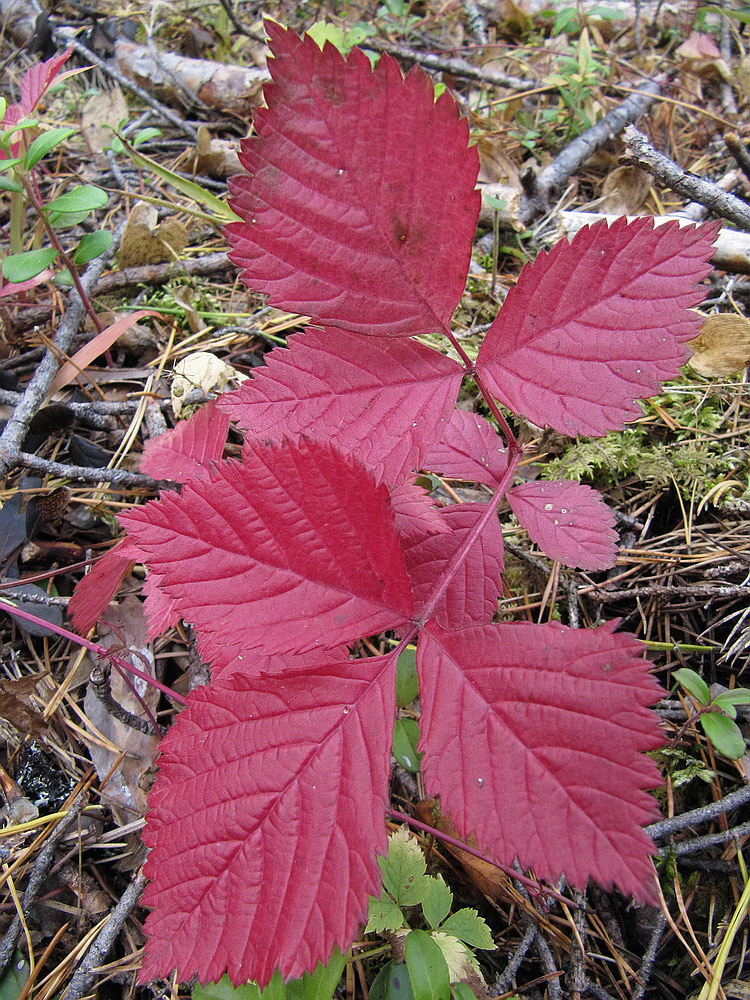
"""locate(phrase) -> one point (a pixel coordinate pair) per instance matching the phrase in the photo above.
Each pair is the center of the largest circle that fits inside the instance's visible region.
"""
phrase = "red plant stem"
(460, 554)
(32, 190)
(534, 887)
(47, 575)
(470, 368)
(93, 647)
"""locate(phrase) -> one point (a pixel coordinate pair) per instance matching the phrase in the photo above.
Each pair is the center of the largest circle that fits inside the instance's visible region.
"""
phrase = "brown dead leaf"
(14, 707)
(215, 157)
(145, 242)
(723, 346)
(625, 191)
(101, 114)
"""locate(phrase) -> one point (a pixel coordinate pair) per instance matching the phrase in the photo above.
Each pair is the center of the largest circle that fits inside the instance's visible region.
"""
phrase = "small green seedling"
(716, 714)
(431, 964)
(316, 985)
(24, 143)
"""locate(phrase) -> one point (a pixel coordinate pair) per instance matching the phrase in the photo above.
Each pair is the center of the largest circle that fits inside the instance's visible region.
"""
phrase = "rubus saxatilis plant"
(358, 210)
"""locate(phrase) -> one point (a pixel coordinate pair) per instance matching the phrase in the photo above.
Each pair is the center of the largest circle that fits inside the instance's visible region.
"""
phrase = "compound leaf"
(291, 549)
(383, 400)
(360, 207)
(265, 819)
(546, 730)
(596, 324)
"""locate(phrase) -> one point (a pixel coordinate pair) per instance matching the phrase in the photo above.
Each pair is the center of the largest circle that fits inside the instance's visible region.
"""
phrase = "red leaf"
(292, 549)
(472, 594)
(160, 609)
(381, 400)
(568, 521)
(470, 449)
(540, 755)
(97, 588)
(596, 324)
(416, 514)
(187, 450)
(265, 819)
(38, 79)
(360, 207)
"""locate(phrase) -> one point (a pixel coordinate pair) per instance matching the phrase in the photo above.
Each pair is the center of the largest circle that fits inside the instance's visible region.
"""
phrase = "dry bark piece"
(722, 347)
(226, 88)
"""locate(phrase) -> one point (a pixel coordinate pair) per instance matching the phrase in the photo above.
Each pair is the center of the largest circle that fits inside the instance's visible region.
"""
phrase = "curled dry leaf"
(124, 759)
(145, 242)
(722, 347)
(200, 370)
(625, 190)
(216, 157)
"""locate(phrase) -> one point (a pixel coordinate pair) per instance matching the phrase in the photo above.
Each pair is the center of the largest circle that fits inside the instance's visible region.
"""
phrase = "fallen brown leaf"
(723, 346)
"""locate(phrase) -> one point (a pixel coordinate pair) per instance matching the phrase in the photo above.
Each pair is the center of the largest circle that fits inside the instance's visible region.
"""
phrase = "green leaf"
(728, 699)
(93, 245)
(405, 738)
(498, 204)
(469, 927)
(724, 734)
(24, 266)
(462, 992)
(44, 144)
(14, 978)
(319, 984)
(437, 901)
(403, 869)
(391, 983)
(83, 198)
(9, 184)
(693, 684)
(64, 278)
(741, 14)
(9, 162)
(145, 134)
(427, 968)
(223, 990)
(383, 915)
(407, 682)
(221, 211)
(322, 32)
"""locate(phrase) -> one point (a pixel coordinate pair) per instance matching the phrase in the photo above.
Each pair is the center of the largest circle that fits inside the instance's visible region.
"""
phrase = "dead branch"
(235, 89)
(39, 873)
(704, 814)
(146, 274)
(456, 67)
(667, 172)
(36, 392)
(556, 174)
(66, 37)
(85, 975)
